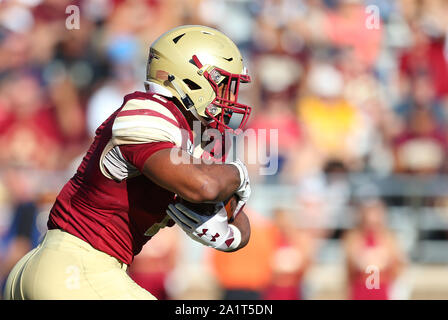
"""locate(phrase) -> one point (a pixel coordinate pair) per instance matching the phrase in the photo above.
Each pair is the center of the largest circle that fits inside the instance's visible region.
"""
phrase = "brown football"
(209, 209)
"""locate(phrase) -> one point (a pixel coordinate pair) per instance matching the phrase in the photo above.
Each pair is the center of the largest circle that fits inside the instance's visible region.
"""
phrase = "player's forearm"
(190, 181)
(218, 182)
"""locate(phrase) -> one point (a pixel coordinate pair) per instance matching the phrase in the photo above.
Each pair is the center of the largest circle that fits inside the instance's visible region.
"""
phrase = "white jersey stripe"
(141, 129)
(136, 104)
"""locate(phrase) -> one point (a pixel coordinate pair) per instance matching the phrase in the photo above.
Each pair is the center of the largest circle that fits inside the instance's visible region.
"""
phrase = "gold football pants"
(66, 267)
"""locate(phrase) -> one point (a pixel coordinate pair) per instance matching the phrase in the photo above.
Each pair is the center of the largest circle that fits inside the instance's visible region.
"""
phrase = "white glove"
(212, 231)
(243, 191)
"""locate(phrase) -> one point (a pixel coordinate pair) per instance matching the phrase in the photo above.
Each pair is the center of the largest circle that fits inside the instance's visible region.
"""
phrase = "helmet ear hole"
(191, 84)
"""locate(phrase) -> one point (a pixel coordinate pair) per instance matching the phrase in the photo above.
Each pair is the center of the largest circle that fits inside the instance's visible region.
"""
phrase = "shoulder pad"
(144, 121)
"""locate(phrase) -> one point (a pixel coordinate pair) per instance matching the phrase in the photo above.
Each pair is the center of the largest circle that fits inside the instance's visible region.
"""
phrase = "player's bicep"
(173, 169)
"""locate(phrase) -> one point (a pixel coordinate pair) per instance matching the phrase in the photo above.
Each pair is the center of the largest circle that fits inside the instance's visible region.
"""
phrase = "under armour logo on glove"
(215, 237)
(212, 231)
(204, 232)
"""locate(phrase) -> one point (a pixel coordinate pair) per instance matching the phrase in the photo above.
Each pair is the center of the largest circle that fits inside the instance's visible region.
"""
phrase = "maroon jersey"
(108, 202)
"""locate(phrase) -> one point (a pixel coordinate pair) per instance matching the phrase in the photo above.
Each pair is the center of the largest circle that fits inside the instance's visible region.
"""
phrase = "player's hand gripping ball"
(208, 223)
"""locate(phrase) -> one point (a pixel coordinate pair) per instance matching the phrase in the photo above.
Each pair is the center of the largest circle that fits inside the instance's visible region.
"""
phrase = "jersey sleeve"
(141, 127)
(137, 154)
(146, 121)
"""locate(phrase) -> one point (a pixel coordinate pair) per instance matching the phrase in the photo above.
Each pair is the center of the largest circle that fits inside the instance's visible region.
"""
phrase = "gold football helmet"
(202, 68)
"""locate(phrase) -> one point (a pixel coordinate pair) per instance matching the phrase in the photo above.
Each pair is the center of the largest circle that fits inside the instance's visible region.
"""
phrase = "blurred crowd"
(351, 86)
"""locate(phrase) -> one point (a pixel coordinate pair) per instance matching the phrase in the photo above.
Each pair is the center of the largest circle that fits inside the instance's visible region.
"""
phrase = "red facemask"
(224, 111)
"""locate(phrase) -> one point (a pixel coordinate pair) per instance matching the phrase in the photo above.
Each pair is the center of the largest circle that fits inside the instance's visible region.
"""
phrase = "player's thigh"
(53, 274)
(74, 274)
(62, 270)
(68, 273)
(115, 284)
(12, 289)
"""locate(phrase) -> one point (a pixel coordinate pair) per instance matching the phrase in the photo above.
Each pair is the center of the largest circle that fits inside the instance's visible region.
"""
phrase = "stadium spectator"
(329, 121)
(278, 115)
(23, 233)
(291, 259)
(422, 146)
(348, 26)
(374, 258)
(32, 136)
(427, 55)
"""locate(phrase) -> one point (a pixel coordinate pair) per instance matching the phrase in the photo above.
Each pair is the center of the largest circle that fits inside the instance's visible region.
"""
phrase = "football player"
(124, 190)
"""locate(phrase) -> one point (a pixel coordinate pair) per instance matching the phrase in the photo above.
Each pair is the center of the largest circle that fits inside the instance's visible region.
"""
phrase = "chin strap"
(153, 87)
(186, 100)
